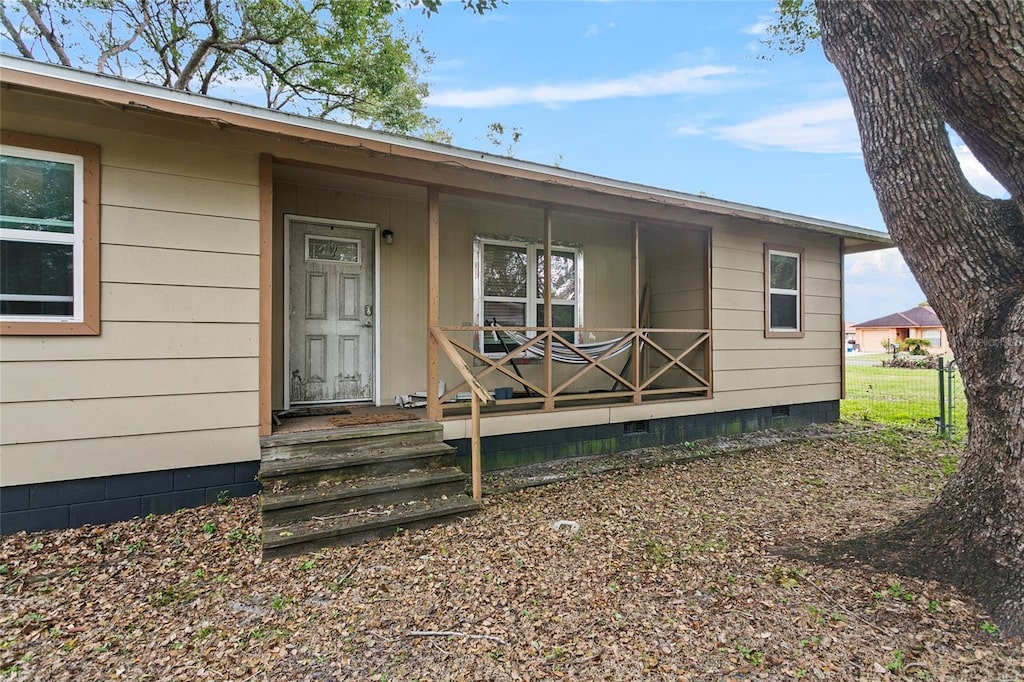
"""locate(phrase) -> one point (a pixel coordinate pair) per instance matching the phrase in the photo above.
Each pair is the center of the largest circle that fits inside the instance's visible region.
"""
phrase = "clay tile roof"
(921, 316)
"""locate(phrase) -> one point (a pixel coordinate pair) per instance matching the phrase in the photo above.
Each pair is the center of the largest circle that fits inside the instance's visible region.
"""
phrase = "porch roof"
(62, 81)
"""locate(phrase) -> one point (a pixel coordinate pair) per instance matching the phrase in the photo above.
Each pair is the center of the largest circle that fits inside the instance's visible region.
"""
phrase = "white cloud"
(700, 79)
(757, 28)
(878, 283)
(976, 174)
(825, 127)
(888, 262)
(687, 131)
(595, 29)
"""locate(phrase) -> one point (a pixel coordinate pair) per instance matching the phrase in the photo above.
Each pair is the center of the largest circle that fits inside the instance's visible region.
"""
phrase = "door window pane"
(333, 250)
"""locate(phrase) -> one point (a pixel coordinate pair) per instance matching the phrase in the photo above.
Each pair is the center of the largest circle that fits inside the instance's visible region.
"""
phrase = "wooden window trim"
(90, 153)
(768, 333)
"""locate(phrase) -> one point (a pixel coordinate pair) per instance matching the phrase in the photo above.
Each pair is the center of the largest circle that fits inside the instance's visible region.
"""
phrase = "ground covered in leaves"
(676, 571)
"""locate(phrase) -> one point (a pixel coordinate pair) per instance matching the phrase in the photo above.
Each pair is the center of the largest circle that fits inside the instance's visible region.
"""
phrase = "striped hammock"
(562, 353)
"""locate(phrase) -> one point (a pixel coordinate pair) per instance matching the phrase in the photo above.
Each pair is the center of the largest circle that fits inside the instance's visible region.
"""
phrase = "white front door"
(330, 287)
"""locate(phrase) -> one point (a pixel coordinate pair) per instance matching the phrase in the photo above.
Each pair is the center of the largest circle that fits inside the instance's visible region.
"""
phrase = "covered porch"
(538, 306)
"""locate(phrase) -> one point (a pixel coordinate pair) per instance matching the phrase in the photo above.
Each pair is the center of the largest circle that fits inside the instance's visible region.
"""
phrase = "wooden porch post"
(478, 487)
(433, 299)
(635, 363)
(549, 402)
(266, 266)
(708, 350)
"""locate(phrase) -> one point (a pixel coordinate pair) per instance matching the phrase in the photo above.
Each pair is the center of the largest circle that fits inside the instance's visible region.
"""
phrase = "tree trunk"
(911, 68)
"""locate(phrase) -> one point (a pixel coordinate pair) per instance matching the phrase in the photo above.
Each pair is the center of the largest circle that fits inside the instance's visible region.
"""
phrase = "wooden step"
(352, 528)
(339, 464)
(325, 499)
(351, 439)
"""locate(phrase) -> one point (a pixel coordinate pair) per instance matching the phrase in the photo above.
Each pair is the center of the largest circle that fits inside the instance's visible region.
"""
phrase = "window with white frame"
(510, 286)
(783, 300)
(933, 337)
(43, 233)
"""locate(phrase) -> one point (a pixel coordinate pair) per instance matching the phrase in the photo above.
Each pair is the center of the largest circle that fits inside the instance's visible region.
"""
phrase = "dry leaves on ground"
(672, 574)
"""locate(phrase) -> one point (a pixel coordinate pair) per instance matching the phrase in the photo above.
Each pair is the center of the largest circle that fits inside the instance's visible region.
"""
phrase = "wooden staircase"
(349, 485)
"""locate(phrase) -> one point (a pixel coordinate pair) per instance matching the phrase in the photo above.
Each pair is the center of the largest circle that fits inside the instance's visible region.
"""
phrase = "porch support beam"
(549, 403)
(266, 268)
(433, 299)
(637, 322)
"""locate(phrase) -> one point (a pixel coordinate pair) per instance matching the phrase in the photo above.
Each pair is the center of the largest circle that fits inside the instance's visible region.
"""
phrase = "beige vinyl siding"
(138, 341)
(171, 381)
(37, 462)
(754, 371)
(64, 420)
(77, 380)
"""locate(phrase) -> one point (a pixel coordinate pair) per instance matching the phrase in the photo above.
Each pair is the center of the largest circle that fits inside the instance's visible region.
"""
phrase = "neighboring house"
(917, 323)
(178, 268)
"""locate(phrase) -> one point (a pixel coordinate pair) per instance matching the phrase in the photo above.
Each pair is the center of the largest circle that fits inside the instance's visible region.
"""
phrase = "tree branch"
(115, 50)
(14, 34)
(46, 32)
(202, 51)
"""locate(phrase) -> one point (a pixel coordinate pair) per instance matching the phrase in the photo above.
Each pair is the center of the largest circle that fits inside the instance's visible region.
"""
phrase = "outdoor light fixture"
(388, 236)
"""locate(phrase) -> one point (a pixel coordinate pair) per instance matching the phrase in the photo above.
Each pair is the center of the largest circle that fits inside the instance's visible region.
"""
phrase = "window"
(933, 336)
(783, 286)
(49, 236)
(510, 286)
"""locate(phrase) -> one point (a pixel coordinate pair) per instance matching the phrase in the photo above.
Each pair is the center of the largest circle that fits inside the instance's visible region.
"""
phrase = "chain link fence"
(928, 398)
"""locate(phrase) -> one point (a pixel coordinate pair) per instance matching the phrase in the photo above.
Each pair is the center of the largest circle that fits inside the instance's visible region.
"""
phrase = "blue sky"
(670, 94)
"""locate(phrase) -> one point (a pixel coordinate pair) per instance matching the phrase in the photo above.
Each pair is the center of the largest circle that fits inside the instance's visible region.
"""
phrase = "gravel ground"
(671, 568)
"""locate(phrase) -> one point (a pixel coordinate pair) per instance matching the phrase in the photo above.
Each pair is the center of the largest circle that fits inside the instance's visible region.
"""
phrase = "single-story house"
(178, 270)
(893, 329)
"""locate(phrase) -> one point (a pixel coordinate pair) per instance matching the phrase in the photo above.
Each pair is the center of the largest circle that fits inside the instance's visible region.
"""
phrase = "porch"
(542, 306)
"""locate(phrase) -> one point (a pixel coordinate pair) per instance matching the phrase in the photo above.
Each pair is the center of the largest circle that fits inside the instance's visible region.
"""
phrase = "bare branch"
(115, 50)
(46, 32)
(15, 34)
(202, 51)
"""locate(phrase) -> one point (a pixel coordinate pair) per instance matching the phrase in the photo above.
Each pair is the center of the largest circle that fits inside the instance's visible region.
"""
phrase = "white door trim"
(288, 219)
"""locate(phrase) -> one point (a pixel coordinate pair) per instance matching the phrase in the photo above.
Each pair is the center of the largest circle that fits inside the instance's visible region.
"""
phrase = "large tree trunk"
(911, 68)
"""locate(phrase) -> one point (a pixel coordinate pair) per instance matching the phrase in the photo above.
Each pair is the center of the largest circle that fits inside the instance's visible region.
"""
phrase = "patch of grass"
(900, 397)
(990, 628)
(895, 591)
(752, 656)
(948, 464)
(173, 594)
(895, 664)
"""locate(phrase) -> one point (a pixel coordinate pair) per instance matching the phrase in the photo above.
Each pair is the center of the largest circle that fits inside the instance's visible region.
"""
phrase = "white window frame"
(531, 300)
(797, 293)
(74, 238)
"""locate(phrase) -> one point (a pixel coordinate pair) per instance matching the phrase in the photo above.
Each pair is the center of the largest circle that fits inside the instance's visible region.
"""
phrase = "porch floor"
(353, 415)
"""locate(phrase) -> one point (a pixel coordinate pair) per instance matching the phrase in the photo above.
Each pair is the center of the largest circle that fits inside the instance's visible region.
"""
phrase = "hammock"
(562, 353)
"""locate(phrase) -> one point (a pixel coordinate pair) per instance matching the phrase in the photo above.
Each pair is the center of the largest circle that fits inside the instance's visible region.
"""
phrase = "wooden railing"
(641, 366)
(478, 394)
